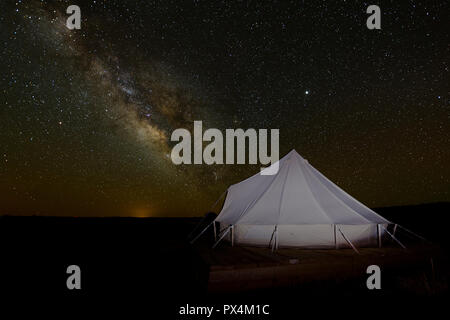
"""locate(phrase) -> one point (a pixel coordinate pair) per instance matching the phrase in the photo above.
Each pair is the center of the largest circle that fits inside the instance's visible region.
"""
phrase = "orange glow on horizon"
(142, 212)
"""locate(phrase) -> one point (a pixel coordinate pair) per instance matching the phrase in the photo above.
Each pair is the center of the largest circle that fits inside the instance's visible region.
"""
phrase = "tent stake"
(349, 242)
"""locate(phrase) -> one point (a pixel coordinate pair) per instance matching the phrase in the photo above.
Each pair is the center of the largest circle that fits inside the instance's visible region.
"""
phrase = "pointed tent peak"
(294, 153)
(282, 162)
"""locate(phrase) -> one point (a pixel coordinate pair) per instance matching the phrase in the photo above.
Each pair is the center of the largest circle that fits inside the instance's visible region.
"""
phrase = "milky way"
(87, 114)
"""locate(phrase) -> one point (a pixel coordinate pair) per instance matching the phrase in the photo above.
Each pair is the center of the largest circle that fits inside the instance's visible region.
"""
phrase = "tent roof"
(297, 194)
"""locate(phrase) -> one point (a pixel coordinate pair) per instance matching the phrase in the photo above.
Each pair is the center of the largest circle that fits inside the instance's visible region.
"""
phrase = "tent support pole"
(215, 231)
(275, 242)
(273, 245)
(379, 235)
(335, 237)
(232, 236)
(395, 229)
(393, 237)
(348, 241)
(276, 239)
(221, 237)
(198, 236)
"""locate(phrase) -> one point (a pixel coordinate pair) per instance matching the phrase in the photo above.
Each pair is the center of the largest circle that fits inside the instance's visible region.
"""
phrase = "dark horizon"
(201, 216)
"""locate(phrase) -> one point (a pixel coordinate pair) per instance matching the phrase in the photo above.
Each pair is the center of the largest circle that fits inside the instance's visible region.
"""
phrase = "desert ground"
(151, 259)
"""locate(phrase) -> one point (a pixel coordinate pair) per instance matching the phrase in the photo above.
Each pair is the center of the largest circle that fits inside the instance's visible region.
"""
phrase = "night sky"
(86, 115)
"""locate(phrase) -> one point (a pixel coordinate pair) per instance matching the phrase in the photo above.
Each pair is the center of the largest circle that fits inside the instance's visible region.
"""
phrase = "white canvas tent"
(297, 207)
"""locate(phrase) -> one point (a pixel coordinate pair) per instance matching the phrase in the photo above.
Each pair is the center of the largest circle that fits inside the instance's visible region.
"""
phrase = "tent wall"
(298, 194)
(306, 236)
(305, 206)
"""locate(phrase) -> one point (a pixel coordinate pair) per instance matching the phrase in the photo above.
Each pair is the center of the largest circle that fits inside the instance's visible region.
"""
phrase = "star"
(121, 91)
